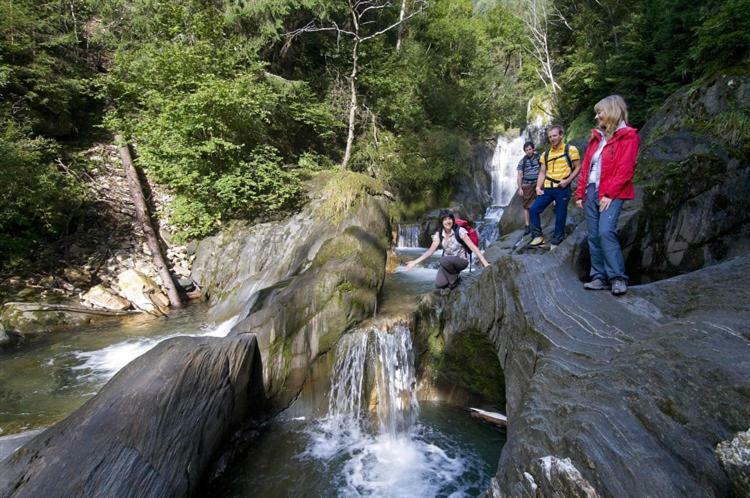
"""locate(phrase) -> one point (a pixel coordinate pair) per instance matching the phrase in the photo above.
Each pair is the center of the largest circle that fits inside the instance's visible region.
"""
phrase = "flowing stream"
(376, 439)
(45, 380)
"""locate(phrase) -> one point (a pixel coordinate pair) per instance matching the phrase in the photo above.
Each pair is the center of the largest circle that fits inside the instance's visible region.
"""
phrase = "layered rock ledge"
(633, 393)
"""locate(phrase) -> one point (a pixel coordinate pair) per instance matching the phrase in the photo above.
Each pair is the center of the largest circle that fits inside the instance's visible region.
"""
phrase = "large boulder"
(32, 319)
(695, 175)
(298, 284)
(101, 297)
(142, 291)
(607, 396)
(151, 431)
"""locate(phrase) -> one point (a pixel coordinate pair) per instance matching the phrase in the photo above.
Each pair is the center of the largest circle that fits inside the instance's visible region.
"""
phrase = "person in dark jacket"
(606, 183)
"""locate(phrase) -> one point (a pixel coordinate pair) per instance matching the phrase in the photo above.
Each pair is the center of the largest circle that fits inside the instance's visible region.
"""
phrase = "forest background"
(232, 103)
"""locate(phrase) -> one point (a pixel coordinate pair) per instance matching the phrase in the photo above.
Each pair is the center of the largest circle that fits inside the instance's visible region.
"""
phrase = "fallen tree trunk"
(141, 212)
(70, 308)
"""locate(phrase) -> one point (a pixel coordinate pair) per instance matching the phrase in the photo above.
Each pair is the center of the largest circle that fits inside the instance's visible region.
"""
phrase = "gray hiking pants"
(450, 267)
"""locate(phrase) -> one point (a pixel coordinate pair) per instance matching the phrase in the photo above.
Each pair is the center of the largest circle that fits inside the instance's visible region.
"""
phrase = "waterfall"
(395, 381)
(503, 173)
(391, 365)
(392, 455)
(408, 236)
(503, 169)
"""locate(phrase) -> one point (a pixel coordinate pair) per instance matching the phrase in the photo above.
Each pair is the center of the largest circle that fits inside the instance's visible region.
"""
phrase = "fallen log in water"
(494, 418)
(69, 308)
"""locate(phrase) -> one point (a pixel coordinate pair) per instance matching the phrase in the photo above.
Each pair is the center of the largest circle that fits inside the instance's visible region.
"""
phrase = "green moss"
(467, 361)
(731, 127)
(344, 191)
(669, 184)
(581, 126)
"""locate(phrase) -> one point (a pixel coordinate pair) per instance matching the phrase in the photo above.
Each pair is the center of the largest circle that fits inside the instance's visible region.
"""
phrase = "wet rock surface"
(636, 392)
(297, 284)
(151, 431)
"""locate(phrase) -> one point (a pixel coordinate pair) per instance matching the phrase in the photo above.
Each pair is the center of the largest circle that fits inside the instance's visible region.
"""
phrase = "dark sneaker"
(619, 287)
(596, 284)
(537, 241)
(555, 242)
(527, 231)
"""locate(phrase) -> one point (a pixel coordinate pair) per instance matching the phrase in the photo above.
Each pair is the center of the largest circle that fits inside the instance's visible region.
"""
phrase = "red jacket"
(618, 164)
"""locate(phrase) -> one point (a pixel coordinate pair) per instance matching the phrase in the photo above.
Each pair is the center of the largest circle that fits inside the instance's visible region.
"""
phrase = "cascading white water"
(503, 173)
(101, 364)
(504, 161)
(408, 236)
(396, 381)
(392, 457)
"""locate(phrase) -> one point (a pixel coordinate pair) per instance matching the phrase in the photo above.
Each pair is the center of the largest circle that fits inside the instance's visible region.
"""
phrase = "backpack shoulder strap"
(567, 158)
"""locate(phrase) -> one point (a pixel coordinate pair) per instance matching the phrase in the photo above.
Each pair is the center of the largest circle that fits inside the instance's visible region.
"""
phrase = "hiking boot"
(527, 231)
(619, 287)
(596, 284)
(455, 284)
(537, 241)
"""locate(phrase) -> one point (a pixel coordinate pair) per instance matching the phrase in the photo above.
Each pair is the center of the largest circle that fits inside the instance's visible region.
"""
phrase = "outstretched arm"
(475, 250)
(429, 252)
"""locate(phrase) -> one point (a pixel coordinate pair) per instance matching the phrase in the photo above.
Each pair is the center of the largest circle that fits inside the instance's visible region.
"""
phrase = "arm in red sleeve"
(625, 169)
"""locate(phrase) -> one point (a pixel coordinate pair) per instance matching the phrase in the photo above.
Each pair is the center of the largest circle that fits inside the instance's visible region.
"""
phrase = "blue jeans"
(561, 196)
(607, 262)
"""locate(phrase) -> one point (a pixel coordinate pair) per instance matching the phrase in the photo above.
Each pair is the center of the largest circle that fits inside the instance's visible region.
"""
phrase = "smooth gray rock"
(9, 444)
(151, 431)
(635, 392)
(298, 284)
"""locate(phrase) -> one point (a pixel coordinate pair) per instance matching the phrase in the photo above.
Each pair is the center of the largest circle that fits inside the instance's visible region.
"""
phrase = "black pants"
(450, 267)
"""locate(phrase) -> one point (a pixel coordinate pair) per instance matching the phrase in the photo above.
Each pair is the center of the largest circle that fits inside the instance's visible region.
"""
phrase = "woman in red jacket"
(606, 183)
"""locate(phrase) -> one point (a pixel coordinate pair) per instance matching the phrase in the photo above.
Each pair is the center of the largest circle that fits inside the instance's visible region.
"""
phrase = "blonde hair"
(613, 111)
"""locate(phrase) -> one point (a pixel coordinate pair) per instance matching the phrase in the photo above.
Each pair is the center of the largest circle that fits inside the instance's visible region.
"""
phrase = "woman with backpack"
(606, 183)
(457, 249)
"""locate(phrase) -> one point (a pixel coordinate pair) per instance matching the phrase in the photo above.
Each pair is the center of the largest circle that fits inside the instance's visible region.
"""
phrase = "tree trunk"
(352, 106)
(401, 25)
(141, 212)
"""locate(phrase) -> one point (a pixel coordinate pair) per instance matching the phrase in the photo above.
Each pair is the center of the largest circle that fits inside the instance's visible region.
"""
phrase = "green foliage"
(37, 201)
(731, 127)
(211, 124)
(43, 72)
(643, 50)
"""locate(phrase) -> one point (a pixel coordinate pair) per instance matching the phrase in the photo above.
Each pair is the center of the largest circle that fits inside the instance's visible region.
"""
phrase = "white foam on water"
(102, 364)
(401, 458)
